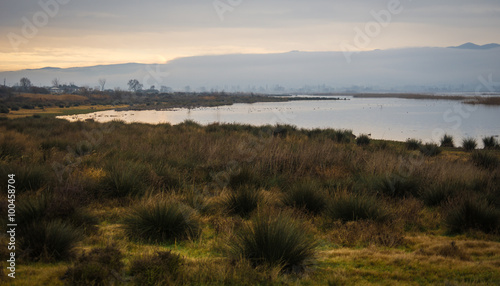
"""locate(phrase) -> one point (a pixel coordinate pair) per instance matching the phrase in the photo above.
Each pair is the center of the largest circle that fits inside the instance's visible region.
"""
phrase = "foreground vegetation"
(136, 204)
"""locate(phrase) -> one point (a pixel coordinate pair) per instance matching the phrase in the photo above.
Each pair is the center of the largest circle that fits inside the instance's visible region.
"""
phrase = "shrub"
(342, 136)
(413, 144)
(161, 221)
(100, 266)
(447, 141)
(352, 207)
(307, 196)
(161, 268)
(469, 144)
(490, 142)
(48, 241)
(472, 213)
(243, 177)
(363, 140)
(484, 159)
(430, 149)
(275, 240)
(242, 201)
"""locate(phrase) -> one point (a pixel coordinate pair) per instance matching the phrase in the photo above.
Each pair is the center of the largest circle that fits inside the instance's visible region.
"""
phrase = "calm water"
(383, 118)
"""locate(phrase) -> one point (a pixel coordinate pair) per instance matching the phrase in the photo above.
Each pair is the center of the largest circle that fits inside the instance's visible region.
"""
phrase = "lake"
(383, 118)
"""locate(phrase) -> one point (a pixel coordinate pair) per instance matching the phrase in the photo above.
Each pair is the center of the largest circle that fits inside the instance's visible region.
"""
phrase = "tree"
(102, 83)
(25, 84)
(55, 82)
(134, 85)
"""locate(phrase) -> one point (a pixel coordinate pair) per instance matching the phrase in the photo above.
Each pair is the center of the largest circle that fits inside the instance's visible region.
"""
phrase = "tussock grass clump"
(471, 213)
(485, 159)
(49, 241)
(413, 144)
(447, 141)
(161, 268)
(342, 136)
(306, 195)
(430, 149)
(352, 207)
(490, 142)
(469, 144)
(161, 221)
(363, 140)
(100, 266)
(438, 193)
(244, 176)
(399, 187)
(126, 178)
(242, 202)
(275, 240)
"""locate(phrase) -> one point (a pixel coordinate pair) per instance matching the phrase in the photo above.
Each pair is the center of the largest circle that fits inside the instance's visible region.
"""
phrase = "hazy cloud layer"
(115, 31)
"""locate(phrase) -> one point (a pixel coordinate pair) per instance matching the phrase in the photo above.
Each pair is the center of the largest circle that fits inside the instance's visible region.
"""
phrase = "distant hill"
(472, 46)
(408, 69)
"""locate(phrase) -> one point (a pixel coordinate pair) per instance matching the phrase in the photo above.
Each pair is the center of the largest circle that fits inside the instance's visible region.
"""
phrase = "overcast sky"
(68, 33)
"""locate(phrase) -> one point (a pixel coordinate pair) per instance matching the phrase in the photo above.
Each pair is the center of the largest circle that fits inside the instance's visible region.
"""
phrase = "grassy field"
(137, 204)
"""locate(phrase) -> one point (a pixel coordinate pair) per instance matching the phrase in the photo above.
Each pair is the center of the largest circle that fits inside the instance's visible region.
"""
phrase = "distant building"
(56, 90)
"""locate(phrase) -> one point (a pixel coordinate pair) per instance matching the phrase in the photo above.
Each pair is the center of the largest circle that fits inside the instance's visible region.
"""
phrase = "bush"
(472, 214)
(242, 201)
(307, 196)
(275, 240)
(447, 141)
(48, 241)
(413, 144)
(352, 207)
(161, 221)
(469, 144)
(430, 149)
(490, 142)
(100, 266)
(162, 268)
(485, 159)
(31, 178)
(363, 140)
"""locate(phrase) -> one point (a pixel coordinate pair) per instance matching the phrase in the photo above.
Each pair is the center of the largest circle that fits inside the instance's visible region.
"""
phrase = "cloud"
(176, 28)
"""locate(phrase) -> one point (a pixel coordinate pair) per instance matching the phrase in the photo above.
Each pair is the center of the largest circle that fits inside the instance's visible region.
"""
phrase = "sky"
(75, 33)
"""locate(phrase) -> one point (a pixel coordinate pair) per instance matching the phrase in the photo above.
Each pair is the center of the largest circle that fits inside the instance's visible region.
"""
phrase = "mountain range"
(406, 69)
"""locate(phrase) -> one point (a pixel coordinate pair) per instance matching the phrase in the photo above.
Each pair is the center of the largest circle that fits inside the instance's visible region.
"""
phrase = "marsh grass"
(469, 144)
(99, 266)
(430, 149)
(472, 213)
(447, 141)
(353, 207)
(413, 144)
(275, 240)
(307, 195)
(159, 221)
(242, 201)
(485, 160)
(490, 142)
(160, 268)
(126, 178)
(48, 241)
(363, 140)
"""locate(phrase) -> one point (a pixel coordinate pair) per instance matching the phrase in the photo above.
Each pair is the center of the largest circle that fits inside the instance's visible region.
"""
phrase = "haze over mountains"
(409, 69)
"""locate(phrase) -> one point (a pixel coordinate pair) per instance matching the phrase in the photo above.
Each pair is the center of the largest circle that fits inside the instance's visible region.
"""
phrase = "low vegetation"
(137, 204)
